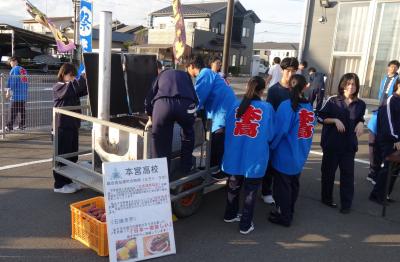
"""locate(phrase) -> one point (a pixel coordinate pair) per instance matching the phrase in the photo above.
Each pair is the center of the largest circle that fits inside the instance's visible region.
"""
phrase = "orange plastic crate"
(88, 230)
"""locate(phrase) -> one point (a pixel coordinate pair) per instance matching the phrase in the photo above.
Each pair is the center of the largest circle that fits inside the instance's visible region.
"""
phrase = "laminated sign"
(138, 207)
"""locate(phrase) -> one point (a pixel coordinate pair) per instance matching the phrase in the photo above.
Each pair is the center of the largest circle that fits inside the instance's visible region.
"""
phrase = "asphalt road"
(35, 222)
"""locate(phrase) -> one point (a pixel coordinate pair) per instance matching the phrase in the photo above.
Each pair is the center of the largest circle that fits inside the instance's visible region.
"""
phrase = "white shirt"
(276, 73)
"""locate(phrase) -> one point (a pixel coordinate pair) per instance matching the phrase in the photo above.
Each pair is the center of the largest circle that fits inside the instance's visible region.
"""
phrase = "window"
(352, 23)
(245, 32)
(163, 26)
(221, 29)
(385, 46)
(256, 52)
(233, 60)
(265, 52)
(215, 30)
(287, 54)
(241, 60)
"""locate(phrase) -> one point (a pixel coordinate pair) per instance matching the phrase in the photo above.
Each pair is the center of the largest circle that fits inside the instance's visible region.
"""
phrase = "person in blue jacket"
(387, 142)
(294, 129)
(385, 90)
(215, 97)
(249, 129)
(342, 117)
(18, 85)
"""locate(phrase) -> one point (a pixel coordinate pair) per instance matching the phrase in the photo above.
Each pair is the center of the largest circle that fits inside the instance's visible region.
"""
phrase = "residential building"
(353, 36)
(65, 22)
(205, 29)
(268, 50)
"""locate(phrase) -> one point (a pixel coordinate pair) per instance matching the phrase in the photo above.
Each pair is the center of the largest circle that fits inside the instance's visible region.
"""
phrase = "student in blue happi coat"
(249, 129)
(215, 97)
(342, 117)
(385, 91)
(294, 123)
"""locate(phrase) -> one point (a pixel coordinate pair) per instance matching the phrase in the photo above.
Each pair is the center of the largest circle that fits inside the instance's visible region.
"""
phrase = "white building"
(268, 50)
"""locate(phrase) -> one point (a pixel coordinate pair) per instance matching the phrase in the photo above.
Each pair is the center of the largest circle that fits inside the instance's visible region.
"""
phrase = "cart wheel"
(188, 205)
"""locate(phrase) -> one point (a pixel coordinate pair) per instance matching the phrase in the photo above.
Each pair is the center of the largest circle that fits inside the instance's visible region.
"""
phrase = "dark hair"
(14, 58)
(304, 63)
(159, 65)
(277, 60)
(66, 68)
(394, 62)
(297, 84)
(255, 85)
(343, 83)
(197, 61)
(290, 62)
(312, 69)
(214, 59)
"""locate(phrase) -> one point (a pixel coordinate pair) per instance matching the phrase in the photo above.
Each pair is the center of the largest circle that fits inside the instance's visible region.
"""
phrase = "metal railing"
(38, 105)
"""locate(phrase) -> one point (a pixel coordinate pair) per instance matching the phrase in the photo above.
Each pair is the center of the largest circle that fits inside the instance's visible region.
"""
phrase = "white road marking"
(26, 164)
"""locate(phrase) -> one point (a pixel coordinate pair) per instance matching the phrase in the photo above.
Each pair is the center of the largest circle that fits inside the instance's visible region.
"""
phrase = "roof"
(28, 35)
(116, 36)
(204, 9)
(276, 46)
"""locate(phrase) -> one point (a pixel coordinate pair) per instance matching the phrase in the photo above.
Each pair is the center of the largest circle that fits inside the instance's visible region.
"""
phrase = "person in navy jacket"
(387, 141)
(385, 90)
(172, 99)
(215, 97)
(67, 92)
(278, 93)
(343, 122)
(249, 129)
(294, 122)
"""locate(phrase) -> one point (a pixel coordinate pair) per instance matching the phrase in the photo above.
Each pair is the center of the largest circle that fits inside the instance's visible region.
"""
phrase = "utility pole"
(77, 9)
(228, 36)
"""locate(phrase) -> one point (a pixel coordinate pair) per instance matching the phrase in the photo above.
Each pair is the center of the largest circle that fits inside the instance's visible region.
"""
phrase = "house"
(122, 34)
(64, 22)
(205, 29)
(268, 50)
(353, 36)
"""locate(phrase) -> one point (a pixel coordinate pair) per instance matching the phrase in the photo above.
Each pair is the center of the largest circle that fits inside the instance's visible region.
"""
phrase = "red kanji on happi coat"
(248, 123)
(22, 72)
(306, 126)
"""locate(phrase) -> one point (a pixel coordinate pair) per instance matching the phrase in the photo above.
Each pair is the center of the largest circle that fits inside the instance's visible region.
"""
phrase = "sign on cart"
(138, 207)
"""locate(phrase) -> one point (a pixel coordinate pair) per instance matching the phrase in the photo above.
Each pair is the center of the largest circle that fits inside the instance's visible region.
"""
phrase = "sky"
(281, 19)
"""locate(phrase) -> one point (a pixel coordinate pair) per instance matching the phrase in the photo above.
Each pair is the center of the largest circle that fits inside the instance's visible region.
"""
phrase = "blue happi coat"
(246, 140)
(18, 83)
(215, 96)
(293, 137)
(372, 123)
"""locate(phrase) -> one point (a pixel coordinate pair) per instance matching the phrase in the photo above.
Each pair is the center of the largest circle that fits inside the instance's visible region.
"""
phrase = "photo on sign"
(126, 249)
(156, 244)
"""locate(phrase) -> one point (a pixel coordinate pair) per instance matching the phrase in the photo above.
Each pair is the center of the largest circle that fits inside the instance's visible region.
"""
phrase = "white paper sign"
(138, 208)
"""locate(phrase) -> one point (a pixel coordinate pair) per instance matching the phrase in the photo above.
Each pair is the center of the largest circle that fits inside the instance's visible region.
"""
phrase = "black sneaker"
(277, 220)
(220, 176)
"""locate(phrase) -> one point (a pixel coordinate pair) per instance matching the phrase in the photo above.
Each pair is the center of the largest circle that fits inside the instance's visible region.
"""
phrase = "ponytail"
(254, 86)
(297, 84)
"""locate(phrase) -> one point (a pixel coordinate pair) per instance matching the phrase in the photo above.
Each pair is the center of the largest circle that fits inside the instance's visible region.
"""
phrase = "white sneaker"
(77, 186)
(235, 219)
(251, 228)
(66, 189)
(268, 199)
